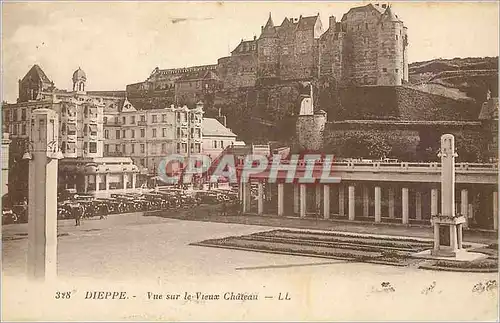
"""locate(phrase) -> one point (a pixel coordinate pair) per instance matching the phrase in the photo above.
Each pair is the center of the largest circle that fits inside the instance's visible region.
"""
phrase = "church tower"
(79, 79)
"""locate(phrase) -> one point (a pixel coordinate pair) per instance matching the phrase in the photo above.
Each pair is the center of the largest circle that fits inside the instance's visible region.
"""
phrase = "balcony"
(142, 123)
(114, 154)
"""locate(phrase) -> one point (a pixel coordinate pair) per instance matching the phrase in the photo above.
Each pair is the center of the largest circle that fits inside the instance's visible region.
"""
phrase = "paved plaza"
(137, 254)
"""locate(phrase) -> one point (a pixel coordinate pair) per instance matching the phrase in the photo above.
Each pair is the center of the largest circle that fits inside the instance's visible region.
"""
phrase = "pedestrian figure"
(224, 208)
(77, 214)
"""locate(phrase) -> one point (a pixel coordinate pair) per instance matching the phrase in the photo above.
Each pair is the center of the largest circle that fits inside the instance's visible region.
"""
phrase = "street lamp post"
(43, 155)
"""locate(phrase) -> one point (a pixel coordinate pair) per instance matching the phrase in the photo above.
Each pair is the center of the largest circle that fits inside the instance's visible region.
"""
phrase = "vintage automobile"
(8, 216)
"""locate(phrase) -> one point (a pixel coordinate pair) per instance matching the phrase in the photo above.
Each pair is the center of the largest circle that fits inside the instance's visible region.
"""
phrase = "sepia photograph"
(250, 161)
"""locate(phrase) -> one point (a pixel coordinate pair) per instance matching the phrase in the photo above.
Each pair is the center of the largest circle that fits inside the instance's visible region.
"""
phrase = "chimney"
(254, 37)
(222, 119)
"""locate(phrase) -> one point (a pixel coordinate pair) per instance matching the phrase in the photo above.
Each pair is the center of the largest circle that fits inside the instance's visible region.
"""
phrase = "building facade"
(216, 137)
(80, 134)
(147, 136)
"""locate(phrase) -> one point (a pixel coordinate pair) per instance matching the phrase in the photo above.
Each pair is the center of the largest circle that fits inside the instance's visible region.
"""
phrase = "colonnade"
(97, 181)
(324, 204)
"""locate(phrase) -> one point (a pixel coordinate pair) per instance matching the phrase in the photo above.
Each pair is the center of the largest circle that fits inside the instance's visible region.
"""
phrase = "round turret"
(391, 58)
(79, 79)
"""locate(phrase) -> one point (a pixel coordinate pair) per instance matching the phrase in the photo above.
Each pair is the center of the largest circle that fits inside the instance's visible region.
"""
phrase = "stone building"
(80, 135)
(368, 46)
(147, 136)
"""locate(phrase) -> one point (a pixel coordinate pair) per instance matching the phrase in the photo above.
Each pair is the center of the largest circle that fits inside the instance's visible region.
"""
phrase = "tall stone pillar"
(378, 204)
(391, 202)
(134, 181)
(326, 201)
(260, 198)
(42, 195)
(495, 210)
(418, 205)
(296, 199)
(303, 199)
(352, 202)
(341, 200)
(464, 205)
(281, 198)
(448, 224)
(404, 205)
(97, 181)
(366, 201)
(246, 197)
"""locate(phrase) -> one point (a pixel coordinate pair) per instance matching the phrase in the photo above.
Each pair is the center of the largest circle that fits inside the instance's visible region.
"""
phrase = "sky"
(119, 43)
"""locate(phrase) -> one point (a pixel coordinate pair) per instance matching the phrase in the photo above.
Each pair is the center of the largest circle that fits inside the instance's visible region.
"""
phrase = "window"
(192, 148)
(143, 162)
(143, 133)
(117, 134)
(23, 132)
(132, 119)
(132, 133)
(85, 129)
(106, 148)
(178, 132)
(84, 147)
(86, 112)
(132, 148)
(184, 147)
(192, 132)
(124, 132)
(215, 143)
(198, 148)
(63, 147)
(163, 118)
(178, 117)
(143, 118)
(93, 147)
(63, 111)
(124, 149)
(117, 148)
(155, 118)
(222, 144)
(397, 70)
(384, 69)
(105, 120)
(143, 148)
(154, 133)
(106, 134)
(397, 37)
(163, 147)
(124, 121)
(178, 147)
(23, 114)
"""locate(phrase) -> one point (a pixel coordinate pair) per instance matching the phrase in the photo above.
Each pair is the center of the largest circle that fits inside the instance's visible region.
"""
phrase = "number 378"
(63, 295)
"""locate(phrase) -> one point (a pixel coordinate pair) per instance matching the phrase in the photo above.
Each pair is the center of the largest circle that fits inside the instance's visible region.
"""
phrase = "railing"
(401, 167)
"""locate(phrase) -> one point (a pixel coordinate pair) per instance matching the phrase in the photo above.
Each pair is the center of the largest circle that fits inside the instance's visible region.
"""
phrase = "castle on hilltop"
(368, 46)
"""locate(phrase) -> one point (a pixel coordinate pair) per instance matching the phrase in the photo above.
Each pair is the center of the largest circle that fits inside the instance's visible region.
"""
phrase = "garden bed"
(483, 265)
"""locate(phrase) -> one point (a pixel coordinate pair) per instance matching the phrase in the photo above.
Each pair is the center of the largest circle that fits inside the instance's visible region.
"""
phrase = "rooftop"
(212, 127)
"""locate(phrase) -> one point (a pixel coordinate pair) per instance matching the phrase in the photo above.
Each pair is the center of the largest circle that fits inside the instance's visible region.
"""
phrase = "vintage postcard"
(250, 161)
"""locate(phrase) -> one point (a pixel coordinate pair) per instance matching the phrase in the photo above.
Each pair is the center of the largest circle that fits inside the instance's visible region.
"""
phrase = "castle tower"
(79, 79)
(268, 54)
(310, 126)
(391, 50)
